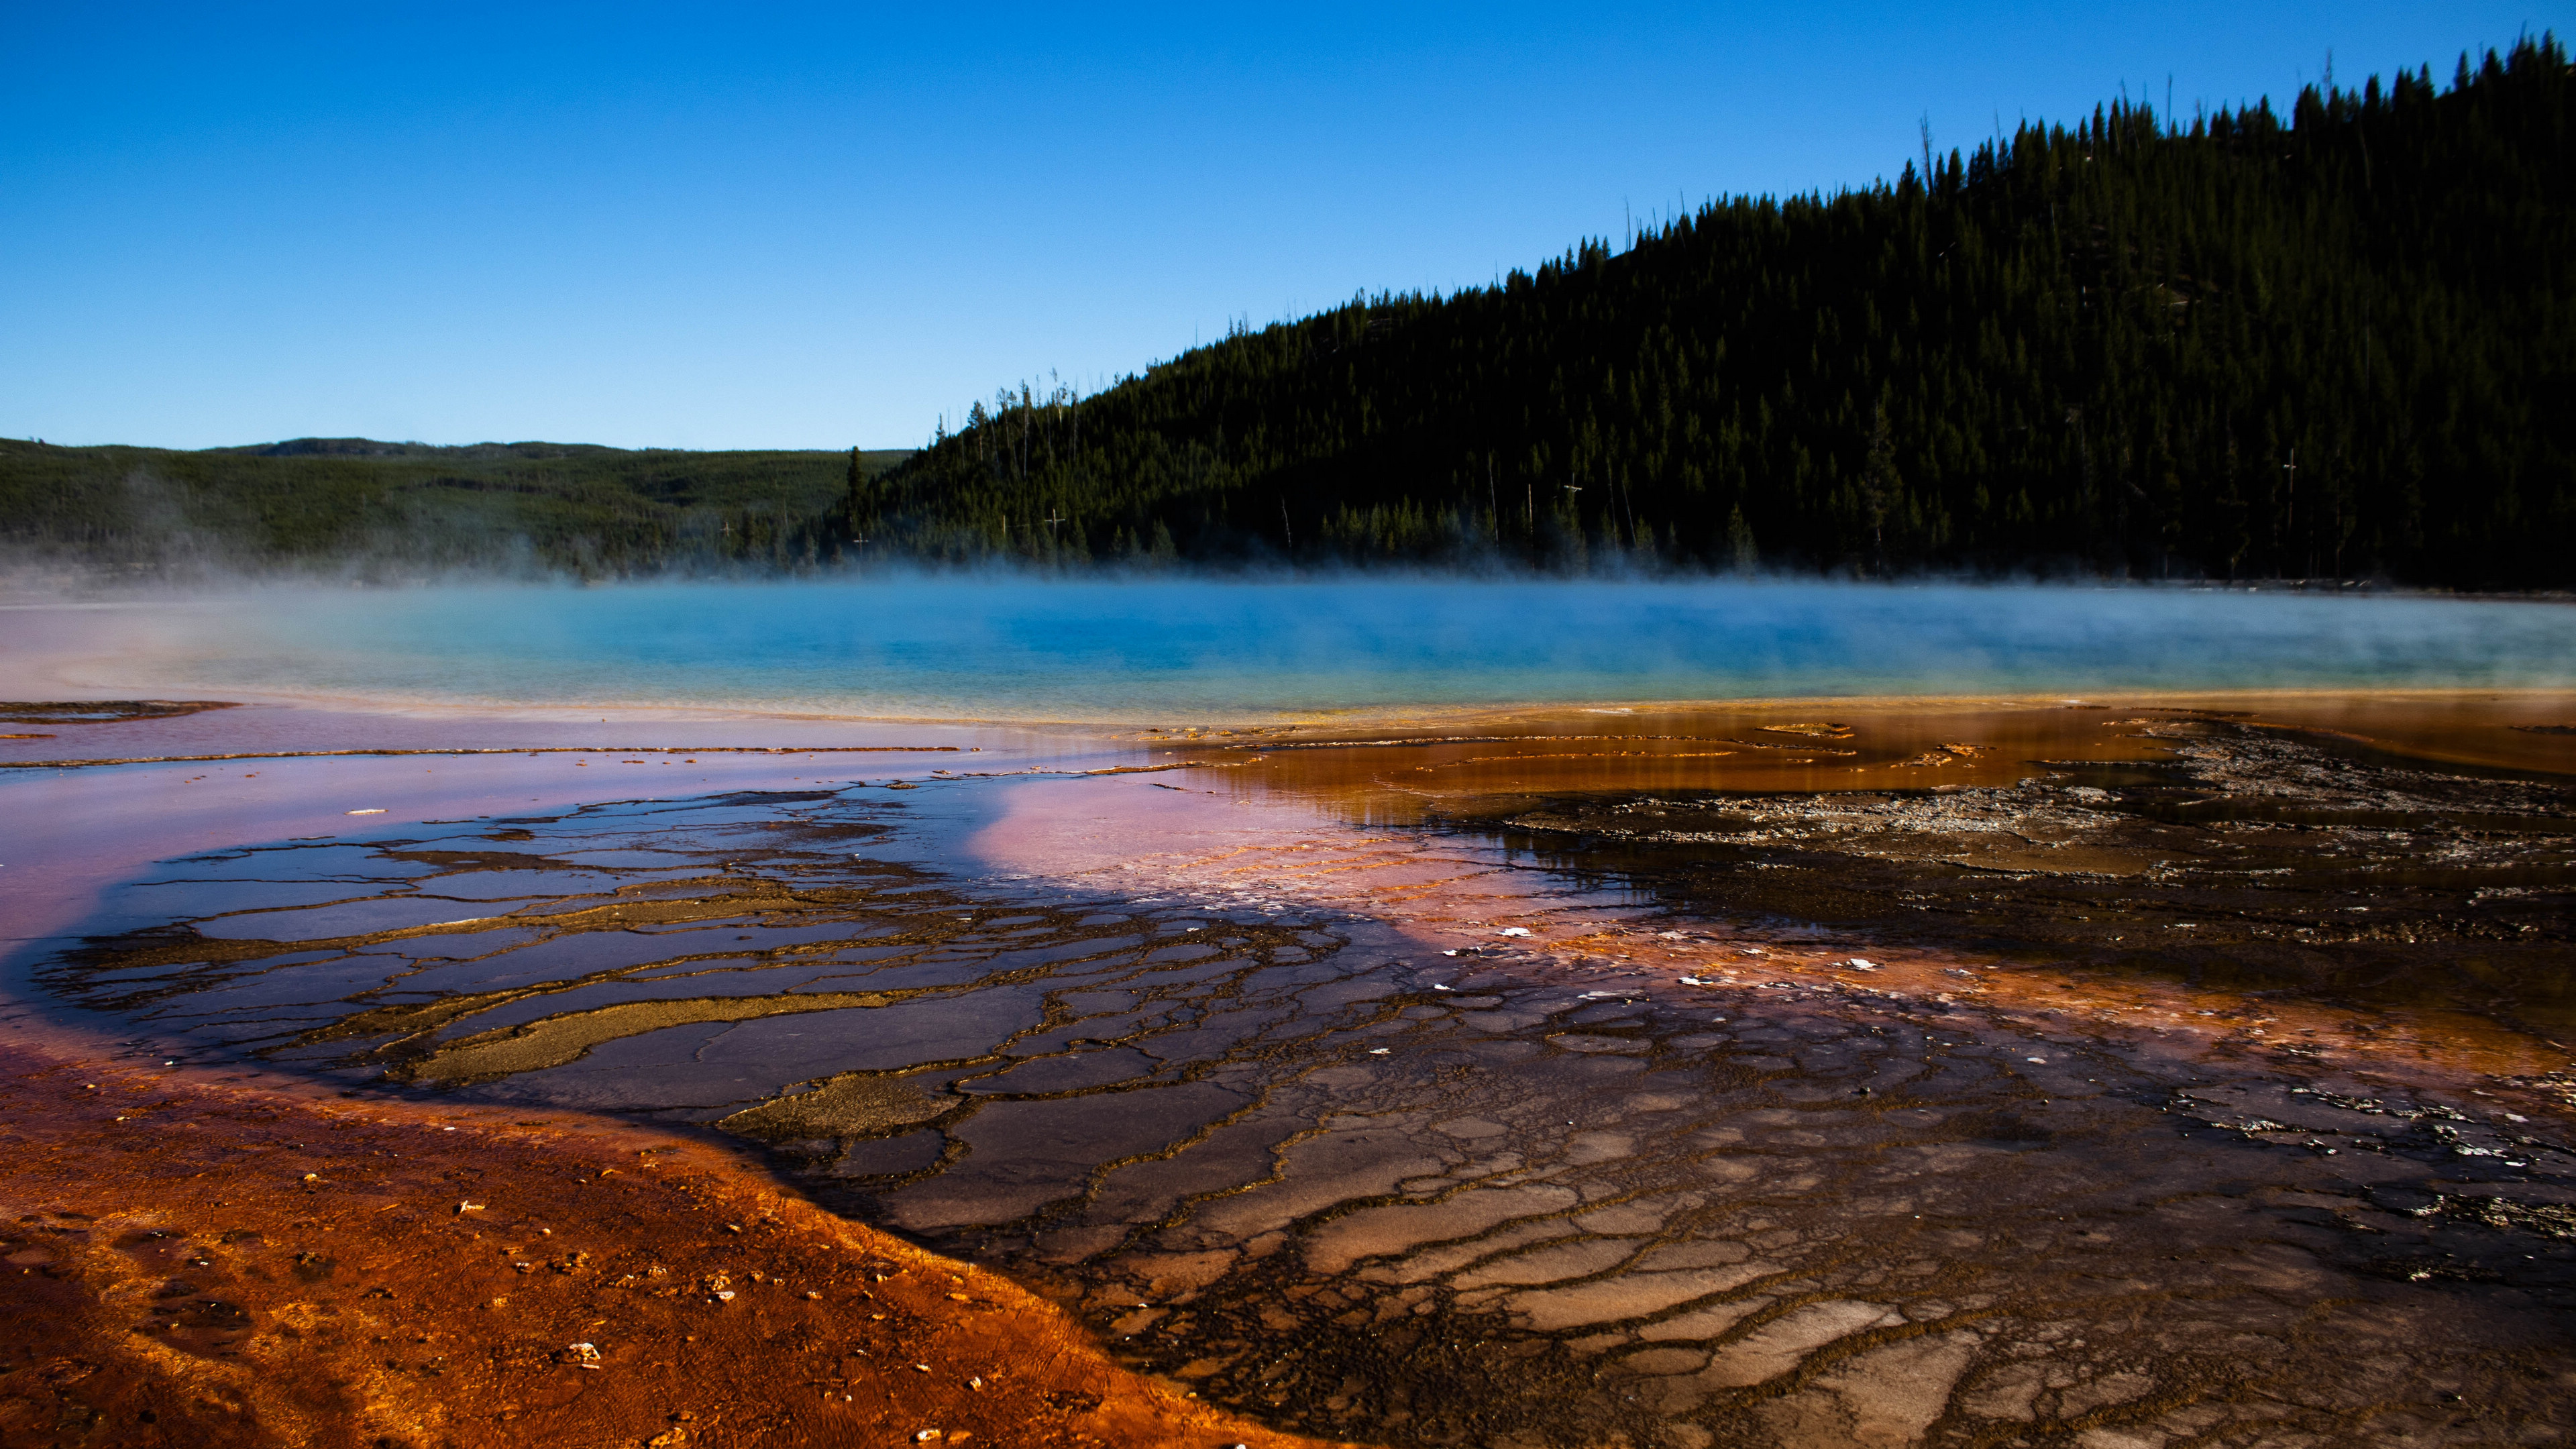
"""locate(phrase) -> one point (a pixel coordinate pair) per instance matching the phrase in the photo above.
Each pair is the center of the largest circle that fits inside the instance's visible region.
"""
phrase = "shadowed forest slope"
(2334, 343)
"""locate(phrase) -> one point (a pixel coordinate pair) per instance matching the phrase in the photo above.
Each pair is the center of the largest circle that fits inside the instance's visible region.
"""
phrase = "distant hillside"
(2324, 344)
(409, 506)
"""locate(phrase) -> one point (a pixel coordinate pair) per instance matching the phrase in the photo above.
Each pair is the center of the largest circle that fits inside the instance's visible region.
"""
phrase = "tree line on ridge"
(2254, 346)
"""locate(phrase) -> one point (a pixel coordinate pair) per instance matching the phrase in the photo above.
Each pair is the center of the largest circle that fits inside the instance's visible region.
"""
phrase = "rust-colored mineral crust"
(203, 1260)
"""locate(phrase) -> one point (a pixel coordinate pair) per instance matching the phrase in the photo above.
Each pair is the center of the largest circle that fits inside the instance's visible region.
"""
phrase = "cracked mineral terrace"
(2188, 1072)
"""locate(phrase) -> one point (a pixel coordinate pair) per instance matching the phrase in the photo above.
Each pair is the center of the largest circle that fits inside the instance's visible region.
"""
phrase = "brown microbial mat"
(1487, 763)
(1801, 1076)
(100, 711)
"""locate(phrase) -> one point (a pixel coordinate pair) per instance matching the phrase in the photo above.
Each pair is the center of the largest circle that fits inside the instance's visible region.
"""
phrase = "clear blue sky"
(808, 226)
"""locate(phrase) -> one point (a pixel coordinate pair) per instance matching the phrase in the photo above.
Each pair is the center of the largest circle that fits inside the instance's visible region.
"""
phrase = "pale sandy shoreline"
(319, 723)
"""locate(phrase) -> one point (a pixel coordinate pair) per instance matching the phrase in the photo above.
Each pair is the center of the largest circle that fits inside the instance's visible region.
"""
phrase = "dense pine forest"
(2335, 344)
(2332, 344)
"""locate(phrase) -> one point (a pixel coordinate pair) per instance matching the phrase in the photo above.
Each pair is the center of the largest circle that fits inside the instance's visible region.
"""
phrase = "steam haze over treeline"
(2248, 345)
(329, 504)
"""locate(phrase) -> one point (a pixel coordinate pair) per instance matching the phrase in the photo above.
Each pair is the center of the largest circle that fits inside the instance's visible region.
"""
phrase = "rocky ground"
(2255, 858)
(1976, 1115)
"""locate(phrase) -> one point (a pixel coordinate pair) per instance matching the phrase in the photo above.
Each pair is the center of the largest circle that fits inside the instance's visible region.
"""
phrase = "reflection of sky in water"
(1107, 651)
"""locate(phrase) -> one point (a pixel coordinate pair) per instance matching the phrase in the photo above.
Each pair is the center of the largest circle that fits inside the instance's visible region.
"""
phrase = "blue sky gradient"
(807, 226)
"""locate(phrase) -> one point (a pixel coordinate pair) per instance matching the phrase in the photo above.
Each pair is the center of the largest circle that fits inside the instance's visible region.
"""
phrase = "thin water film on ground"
(1683, 1183)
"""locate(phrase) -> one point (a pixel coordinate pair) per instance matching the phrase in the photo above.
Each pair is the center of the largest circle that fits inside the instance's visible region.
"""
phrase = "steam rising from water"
(1246, 651)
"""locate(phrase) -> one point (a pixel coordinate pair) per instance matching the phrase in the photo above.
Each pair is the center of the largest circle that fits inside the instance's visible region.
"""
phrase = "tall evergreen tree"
(854, 505)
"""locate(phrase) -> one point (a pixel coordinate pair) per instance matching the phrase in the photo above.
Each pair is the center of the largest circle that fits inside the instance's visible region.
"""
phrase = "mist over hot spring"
(1086, 650)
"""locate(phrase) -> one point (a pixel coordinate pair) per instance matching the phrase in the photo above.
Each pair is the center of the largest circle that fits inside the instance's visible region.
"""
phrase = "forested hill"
(406, 508)
(2332, 343)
